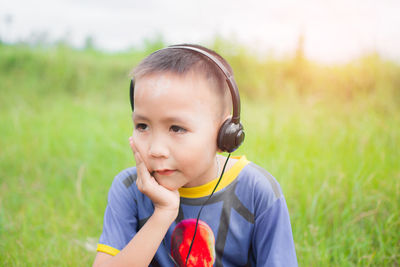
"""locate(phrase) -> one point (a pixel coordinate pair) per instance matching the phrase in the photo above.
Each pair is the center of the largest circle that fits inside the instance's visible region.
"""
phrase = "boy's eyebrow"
(167, 119)
(176, 119)
(136, 116)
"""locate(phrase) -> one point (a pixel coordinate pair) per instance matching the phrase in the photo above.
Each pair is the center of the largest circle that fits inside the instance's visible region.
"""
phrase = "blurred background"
(320, 87)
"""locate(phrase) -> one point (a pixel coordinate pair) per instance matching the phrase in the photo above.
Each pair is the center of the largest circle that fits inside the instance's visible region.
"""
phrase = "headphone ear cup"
(230, 136)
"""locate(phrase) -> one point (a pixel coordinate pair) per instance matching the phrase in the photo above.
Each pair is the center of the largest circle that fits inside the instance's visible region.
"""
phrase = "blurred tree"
(90, 43)
(300, 58)
(300, 68)
(6, 33)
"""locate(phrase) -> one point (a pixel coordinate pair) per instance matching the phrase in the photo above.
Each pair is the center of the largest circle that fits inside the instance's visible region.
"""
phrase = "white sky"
(334, 30)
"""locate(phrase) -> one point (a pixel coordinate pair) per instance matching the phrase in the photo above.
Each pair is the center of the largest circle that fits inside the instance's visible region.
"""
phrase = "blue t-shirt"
(245, 223)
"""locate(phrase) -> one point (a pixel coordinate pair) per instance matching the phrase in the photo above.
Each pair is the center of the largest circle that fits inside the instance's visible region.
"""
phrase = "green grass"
(64, 127)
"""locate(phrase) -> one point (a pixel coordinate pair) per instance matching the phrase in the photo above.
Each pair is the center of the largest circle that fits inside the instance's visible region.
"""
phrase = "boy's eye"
(177, 129)
(141, 126)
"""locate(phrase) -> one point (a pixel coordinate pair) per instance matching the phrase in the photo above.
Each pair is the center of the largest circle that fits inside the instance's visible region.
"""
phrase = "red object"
(203, 248)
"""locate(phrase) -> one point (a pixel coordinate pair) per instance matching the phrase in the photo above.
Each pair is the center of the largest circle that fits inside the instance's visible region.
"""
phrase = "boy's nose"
(158, 148)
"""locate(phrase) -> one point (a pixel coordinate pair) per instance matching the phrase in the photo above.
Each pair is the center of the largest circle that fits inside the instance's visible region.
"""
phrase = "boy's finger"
(143, 175)
(140, 166)
(132, 144)
(133, 147)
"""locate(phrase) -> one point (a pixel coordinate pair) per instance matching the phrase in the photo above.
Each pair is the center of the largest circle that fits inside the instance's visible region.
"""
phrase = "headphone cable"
(202, 206)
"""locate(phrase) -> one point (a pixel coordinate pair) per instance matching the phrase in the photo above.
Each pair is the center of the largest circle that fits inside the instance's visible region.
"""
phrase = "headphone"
(231, 134)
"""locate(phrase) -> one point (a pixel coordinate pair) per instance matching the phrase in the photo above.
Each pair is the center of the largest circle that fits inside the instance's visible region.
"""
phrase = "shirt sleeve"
(273, 243)
(120, 217)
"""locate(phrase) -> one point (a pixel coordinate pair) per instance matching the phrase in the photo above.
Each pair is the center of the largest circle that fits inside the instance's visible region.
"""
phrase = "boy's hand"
(164, 200)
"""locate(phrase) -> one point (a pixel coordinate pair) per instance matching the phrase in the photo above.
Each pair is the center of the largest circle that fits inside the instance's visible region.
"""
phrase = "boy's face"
(176, 123)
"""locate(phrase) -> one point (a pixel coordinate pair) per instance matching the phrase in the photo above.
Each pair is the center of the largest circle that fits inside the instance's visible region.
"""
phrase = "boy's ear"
(228, 116)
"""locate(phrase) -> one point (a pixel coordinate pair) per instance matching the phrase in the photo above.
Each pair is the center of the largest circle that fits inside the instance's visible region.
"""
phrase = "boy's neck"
(232, 170)
(219, 164)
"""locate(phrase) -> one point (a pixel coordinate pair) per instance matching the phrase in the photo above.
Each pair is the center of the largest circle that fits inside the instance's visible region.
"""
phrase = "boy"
(180, 100)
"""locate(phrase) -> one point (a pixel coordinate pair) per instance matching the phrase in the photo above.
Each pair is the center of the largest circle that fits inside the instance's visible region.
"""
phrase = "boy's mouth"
(164, 172)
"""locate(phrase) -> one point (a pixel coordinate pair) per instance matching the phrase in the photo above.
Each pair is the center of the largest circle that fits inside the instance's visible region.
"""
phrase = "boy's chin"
(168, 184)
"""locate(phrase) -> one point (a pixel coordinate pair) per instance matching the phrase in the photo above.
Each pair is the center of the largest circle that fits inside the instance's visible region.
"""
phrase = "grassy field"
(329, 134)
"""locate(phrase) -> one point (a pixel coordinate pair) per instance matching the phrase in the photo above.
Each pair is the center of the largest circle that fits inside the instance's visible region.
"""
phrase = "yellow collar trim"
(206, 189)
